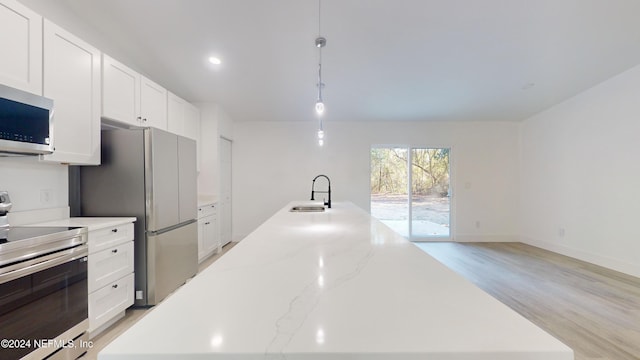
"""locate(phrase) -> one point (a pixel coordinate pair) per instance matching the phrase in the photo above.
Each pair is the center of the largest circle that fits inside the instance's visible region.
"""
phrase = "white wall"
(214, 123)
(274, 163)
(581, 173)
(33, 186)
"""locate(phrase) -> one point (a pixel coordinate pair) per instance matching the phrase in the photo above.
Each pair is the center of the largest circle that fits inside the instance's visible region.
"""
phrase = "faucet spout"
(328, 192)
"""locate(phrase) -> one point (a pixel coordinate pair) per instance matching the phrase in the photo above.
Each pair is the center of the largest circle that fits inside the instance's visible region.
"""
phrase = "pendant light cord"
(319, 16)
(319, 51)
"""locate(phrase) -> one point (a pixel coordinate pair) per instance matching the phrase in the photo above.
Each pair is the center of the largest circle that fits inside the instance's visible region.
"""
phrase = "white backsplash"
(38, 191)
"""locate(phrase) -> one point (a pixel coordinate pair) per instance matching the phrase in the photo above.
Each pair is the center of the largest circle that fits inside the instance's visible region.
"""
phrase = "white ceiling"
(419, 60)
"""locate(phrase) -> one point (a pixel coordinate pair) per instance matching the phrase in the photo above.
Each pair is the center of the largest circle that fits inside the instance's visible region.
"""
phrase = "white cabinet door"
(225, 191)
(207, 237)
(175, 113)
(21, 44)
(130, 98)
(109, 301)
(109, 265)
(153, 104)
(211, 238)
(120, 92)
(191, 121)
(208, 234)
(192, 128)
(72, 80)
(184, 120)
(201, 246)
(106, 238)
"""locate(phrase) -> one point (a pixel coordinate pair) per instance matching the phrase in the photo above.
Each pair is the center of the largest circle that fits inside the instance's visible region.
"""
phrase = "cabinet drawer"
(106, 238)
(109, 265)
(109, 301)
(207, 210)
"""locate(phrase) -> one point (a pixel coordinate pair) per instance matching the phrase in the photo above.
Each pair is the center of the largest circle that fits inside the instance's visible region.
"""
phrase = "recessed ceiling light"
(215, 61)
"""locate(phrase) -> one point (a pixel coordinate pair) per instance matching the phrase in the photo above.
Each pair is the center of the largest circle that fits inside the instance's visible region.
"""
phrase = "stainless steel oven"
(43, 292)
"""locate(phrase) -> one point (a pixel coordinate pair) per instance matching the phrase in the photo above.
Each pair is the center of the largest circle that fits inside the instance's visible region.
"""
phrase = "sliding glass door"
(389, 184)
(410, 191)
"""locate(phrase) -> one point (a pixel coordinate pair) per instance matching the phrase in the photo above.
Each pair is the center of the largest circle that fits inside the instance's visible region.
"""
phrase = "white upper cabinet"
(176, 112)
(192, 128)
(72, 80)
(120, 92)
(191, 121)
(184, 120)
(153, 104)
(21, 44)
(130, 98)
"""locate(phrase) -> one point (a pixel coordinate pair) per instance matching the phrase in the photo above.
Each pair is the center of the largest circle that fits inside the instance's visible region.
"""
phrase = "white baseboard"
(604, 261)
(485, 238)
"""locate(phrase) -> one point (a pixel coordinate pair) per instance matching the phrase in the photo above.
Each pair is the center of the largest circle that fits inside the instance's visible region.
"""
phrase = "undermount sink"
(307, 209)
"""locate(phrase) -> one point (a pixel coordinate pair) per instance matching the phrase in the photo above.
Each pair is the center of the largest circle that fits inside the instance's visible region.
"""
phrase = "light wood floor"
(134, 314)
(593, 310)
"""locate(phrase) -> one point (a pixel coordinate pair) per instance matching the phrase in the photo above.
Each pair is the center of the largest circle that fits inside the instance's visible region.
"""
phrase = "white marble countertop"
(91, 223)
(206, 199)
(331, 285)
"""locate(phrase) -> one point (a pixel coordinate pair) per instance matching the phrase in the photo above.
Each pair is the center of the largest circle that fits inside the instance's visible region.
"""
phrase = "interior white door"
(225, 191)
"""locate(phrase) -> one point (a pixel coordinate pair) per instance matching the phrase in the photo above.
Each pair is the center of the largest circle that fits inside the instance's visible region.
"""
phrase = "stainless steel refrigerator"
(150, 174)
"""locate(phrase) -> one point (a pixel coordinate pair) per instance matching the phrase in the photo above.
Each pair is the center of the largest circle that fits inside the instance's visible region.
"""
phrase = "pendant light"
(320, 42)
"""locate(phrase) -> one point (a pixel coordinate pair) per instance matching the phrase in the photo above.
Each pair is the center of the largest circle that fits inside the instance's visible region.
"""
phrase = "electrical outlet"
(139, 295)
(561, 232)
(45, 196)
(477, 224)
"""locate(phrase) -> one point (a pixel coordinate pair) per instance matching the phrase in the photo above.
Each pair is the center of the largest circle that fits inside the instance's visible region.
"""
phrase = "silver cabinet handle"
(46, 262)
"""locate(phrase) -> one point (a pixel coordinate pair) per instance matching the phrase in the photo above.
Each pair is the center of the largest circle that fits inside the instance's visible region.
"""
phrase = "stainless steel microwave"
(26, 122)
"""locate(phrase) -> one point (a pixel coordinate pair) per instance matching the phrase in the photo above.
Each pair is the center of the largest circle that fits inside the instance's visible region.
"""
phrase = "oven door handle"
(43, 263)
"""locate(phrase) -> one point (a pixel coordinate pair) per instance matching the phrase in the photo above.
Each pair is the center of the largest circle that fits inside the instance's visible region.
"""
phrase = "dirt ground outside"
(430, 213)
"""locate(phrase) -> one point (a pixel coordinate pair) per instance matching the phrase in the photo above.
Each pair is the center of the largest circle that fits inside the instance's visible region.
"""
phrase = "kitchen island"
(336, 284)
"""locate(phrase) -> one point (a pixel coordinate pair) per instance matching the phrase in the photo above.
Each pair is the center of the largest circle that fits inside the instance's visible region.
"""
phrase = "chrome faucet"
(5, 206)
(313, 184)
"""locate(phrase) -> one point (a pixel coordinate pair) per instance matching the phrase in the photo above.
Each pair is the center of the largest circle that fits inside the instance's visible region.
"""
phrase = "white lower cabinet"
(208, 236)
(111, 275)
(110, 265)
(108, 302)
